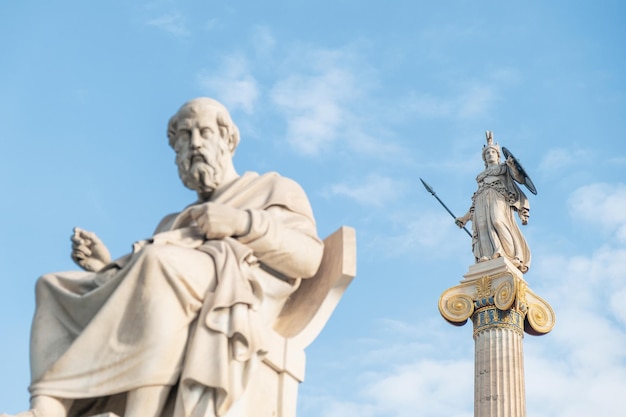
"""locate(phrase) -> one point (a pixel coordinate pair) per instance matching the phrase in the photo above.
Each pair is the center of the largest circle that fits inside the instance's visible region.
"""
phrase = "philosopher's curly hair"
(228, 129)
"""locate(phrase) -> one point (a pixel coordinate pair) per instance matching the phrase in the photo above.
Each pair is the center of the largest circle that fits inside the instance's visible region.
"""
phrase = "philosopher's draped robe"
(179, 310)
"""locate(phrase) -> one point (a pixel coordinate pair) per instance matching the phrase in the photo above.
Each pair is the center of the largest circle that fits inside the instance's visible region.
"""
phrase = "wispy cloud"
(233, 84)
(324, 95)
(559, 158)
(315, 106)
(470, 101)
(212, 24)
(423, 388)
(263, 41)
(475, 101)
(587, 342)
(428, 105)
(374, 190)
(602, 205)
(407, 373)
(403, 373)
(173, 23)
(421, 234)
(465, 98)
(327, 97)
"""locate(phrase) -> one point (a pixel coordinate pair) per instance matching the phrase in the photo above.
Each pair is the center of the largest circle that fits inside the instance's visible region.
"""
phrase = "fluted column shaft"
(499, 364)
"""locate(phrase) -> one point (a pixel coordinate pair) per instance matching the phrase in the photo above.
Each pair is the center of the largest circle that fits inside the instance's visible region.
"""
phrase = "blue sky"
(355, 101)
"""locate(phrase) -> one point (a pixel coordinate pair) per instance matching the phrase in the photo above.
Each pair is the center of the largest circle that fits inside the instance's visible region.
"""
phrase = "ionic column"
(501, 306)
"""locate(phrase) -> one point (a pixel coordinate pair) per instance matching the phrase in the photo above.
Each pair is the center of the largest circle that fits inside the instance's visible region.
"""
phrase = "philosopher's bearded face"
(201, 151)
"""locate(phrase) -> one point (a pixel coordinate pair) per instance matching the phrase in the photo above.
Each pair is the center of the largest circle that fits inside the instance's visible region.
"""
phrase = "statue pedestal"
(496, 297)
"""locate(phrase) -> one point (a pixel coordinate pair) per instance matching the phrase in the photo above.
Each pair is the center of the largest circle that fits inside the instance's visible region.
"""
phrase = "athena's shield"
(527, 181)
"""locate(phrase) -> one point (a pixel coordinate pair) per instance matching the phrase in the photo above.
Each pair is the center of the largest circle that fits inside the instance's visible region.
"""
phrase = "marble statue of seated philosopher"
(175, 327)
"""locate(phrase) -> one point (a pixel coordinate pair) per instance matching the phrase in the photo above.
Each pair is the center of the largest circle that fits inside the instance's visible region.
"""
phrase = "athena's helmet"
(490, 145)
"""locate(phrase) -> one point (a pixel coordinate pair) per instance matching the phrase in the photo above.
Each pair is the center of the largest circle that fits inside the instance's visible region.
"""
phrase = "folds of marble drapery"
(179, 310)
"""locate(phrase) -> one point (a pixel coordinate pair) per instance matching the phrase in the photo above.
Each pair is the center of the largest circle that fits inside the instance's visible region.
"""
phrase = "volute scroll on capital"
(503, 291)
(540, 317)
(457, 304)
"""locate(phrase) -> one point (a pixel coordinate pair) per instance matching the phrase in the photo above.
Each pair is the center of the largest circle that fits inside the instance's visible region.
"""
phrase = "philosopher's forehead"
(186, 122)
(200, 116)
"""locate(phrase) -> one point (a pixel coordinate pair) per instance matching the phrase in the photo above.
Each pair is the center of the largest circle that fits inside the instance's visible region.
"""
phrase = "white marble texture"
(178, 326)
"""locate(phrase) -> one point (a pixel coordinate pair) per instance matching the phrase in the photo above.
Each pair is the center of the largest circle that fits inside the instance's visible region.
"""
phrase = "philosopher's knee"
(164, 258)
(179, 267)
(155, 254)
(43, 284)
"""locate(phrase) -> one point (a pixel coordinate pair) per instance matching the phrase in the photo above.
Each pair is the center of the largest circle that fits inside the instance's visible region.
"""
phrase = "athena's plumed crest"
(490, 144)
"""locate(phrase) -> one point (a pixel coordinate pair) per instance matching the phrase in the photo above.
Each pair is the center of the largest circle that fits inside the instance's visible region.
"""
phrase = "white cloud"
(475, 101)
(233, 84)
(585, 353)
(322, 94)
(422, 234)
(557, 389)
(263, 40)
(427, 105)
(464, 99)
(471, 101)
(617, 160)
(171, 22)
(374, 190)
(577, 370)
(559, 158)
(326, 99)
(337, 408)
(362, 143)
(617, 302)
(425, 388)
(603, 205)
(331, 108)
(212, 24)
(404, 372)
(315, 106)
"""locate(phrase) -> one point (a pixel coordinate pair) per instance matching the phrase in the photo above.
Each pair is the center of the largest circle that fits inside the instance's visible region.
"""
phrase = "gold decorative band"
(491, 317)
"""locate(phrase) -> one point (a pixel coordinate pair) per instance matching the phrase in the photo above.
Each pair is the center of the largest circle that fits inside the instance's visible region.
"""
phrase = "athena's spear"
(430, 190)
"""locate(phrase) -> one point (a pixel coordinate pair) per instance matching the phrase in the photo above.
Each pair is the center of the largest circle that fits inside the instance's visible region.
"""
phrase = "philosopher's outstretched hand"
(88, 251)
(218, 221)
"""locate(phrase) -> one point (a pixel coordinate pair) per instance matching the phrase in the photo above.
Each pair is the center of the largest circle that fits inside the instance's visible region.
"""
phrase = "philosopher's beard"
(202, 176)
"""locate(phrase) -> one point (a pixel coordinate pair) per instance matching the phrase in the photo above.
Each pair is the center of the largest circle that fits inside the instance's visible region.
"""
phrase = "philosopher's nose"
(196, 140)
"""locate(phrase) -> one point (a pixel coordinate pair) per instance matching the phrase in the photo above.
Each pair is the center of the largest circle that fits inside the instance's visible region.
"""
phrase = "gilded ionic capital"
(494, 294)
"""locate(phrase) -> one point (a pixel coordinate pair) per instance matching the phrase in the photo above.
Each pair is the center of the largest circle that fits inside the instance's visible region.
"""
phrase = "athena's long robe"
(179, 310)
(494, 204)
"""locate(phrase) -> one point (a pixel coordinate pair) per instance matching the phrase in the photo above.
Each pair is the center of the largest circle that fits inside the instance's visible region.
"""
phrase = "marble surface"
(178, 326)
(495, 204)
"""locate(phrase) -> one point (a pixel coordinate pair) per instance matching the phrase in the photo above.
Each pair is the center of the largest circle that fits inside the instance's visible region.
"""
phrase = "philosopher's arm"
(285, 241)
